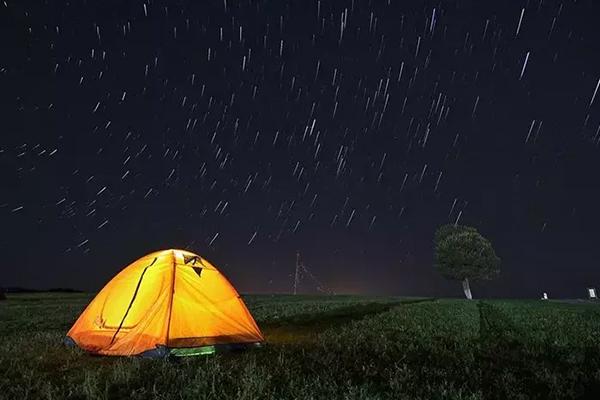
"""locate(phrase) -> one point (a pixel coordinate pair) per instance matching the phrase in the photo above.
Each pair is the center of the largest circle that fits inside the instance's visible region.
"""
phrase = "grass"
(325, 347)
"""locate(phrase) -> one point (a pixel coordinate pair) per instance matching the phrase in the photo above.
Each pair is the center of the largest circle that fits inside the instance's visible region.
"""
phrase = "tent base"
(176, 352)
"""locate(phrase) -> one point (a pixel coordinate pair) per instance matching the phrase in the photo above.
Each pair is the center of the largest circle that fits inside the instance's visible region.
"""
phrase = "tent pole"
(132, 300)
(171, 300)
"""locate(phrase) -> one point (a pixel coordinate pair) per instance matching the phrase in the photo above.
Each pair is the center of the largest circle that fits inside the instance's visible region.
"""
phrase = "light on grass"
(195, 351)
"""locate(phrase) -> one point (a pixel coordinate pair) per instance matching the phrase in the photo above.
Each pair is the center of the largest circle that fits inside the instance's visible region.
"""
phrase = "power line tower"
(301, 271)
(297, 273)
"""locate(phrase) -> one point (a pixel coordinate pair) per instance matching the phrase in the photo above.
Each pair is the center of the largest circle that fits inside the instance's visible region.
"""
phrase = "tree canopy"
(462, 253)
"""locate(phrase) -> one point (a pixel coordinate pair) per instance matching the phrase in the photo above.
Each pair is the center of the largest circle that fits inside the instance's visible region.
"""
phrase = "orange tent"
(171, 302)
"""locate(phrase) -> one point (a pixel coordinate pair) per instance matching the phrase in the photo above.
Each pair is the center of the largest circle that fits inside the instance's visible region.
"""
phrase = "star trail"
(347, 130)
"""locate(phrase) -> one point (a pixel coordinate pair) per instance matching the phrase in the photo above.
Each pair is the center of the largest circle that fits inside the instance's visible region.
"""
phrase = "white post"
(467, 289)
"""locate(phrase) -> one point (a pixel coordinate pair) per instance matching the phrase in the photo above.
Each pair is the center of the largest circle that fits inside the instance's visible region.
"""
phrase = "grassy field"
(324, 347)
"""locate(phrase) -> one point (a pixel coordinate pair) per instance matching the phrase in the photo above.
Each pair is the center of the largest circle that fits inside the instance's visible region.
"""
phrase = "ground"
(325, 347)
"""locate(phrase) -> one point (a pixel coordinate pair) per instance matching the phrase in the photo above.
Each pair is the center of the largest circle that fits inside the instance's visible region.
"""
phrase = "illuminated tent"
(171, 302)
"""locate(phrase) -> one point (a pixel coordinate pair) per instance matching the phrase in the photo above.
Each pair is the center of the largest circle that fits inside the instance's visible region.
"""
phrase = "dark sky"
(348, 130)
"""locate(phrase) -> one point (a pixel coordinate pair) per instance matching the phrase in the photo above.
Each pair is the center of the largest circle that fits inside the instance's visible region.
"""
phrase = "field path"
(305, 327)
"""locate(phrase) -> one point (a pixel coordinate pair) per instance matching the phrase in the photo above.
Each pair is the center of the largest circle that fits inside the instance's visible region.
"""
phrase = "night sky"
(347, 130)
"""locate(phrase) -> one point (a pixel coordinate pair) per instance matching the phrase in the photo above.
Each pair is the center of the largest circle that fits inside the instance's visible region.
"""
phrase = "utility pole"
(297, 273)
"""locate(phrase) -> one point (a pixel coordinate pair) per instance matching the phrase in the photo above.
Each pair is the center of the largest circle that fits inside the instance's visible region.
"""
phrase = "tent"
(170, 302)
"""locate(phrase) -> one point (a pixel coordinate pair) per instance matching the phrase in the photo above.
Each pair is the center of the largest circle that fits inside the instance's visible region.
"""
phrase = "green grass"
(324, 347)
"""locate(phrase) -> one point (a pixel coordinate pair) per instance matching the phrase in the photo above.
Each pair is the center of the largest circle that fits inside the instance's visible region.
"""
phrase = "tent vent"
(190, 259)
(198, 271)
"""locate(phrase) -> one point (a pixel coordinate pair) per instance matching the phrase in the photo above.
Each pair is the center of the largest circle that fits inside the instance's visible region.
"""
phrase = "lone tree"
(461, 253)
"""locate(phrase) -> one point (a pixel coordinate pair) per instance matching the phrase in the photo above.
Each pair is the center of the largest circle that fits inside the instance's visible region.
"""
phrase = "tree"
(461, 253)
(2, 296)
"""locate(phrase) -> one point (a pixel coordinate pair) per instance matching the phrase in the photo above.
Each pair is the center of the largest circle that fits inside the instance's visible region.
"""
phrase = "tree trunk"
(467, 289)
